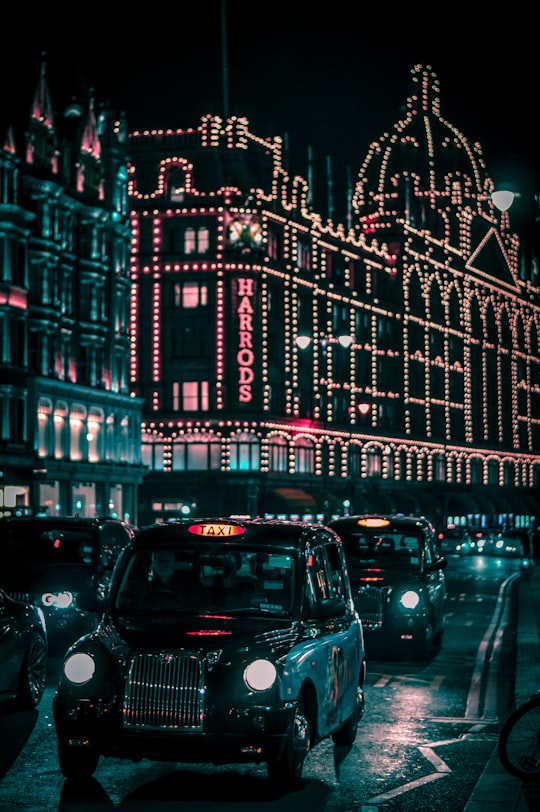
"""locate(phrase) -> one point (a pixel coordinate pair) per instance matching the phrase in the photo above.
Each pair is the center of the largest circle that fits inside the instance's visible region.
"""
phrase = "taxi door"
(336, 680)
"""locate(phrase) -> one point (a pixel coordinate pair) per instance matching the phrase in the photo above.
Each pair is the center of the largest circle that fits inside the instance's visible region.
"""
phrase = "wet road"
(427, 733)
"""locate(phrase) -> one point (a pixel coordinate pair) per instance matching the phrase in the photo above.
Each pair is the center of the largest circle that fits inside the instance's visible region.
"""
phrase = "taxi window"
(33, 544)
(325, 575)
(113, 539)
(407, 553)
(429, 555)
(390, 550)
(230, 580)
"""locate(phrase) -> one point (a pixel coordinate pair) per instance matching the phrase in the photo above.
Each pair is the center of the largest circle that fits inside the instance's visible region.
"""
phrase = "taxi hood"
(204, 632)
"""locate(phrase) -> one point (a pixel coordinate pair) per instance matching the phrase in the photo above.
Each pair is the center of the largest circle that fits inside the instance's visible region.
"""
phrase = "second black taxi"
(221, 641)
(49, 560)
(398, 582)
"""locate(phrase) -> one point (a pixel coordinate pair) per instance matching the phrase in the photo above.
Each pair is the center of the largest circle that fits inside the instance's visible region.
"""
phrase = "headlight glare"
(79, 668)
(410, 599)
(260, 675)
(58, 600)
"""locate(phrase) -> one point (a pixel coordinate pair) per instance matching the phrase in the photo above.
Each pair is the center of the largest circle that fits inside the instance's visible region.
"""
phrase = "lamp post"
(504, 198)
(303, 341)
(523, 209)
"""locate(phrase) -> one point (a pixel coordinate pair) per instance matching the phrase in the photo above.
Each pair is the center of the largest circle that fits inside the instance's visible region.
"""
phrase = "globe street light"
(503, 199)
(303, 341)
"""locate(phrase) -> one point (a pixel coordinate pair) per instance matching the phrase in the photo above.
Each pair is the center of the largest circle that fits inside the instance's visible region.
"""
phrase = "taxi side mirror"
(330, 607)
(90, 601)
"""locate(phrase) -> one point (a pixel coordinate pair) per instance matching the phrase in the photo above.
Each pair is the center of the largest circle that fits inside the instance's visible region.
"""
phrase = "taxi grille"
(23, 597)
(164, 690)
(369, 605)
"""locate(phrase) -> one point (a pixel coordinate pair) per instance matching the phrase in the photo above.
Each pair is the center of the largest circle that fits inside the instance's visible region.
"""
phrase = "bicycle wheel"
(519, 741)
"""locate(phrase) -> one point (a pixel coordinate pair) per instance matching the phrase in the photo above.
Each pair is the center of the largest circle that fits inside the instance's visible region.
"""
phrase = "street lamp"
(303, 341)
(524, 217)
(504, 198)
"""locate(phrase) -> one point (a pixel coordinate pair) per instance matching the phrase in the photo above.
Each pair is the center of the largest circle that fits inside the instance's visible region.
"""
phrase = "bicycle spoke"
(519, 741)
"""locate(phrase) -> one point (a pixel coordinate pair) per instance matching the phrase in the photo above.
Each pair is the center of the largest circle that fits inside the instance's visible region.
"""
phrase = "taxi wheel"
(33, 673)
(424, 644)
(346, 734)
(286, 772)
(76, 762)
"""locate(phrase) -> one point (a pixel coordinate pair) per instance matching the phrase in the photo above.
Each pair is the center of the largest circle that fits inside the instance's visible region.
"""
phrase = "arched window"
(44, 426)
(439, 468)
(153, 453)
(245, 452)
(493, 472)
(477, 473)
(278, 455)
(354, 461)
(95, 434)
(77, 418)
(304, 456)
(196, 452)
(509, 472)
(373, 461)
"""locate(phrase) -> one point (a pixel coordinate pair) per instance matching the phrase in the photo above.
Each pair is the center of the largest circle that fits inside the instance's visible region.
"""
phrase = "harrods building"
(184, 331)
(295, 366)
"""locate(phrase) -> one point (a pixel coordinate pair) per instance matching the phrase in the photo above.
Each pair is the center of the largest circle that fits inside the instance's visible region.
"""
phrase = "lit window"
(189, 241)
(195, 396)
(203, 240)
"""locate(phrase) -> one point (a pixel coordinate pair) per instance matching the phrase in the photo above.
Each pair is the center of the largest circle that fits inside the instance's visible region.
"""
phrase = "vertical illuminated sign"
(245, 356)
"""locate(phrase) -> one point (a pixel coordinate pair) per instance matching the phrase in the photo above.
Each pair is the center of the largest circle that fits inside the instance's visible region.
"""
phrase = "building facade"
(290, 365)
(69, 424)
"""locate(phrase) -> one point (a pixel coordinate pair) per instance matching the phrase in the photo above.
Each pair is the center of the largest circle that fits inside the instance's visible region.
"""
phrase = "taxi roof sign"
(374, 521)
(216, 529)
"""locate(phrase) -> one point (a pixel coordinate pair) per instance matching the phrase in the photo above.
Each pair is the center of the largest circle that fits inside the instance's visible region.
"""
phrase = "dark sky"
(334, 78)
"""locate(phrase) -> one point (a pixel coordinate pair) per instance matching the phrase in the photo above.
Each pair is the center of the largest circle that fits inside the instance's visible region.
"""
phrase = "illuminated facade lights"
(397, 358)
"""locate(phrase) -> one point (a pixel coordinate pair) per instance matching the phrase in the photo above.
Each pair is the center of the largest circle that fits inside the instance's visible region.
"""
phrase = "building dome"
(423, 171)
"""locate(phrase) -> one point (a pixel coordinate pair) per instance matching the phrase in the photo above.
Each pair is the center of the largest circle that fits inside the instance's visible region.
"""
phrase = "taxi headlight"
(57, 600)
(260, 675)
(79, 668)
(410, 599)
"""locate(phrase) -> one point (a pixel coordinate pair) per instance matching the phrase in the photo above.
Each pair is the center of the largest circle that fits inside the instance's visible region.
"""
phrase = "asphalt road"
(428, 731)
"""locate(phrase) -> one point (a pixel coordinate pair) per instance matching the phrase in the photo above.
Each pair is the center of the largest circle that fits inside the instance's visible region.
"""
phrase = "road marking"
(387, 796)
(489, 651)
(385, 679)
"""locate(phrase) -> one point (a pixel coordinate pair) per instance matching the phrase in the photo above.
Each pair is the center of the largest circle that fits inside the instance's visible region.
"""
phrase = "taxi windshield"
(31, 544)
(209, 578)
(392, 550)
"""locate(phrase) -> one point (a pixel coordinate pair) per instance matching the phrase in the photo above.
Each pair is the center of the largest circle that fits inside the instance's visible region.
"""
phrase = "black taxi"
(50, 560)
(398, 583)
(221, 641)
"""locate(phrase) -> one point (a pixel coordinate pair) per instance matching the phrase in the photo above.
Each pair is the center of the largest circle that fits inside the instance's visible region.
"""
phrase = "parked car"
(256, 654)
(398, 582)
(455, 540)
(23, 652)
(48, 560)
(514, 544)
(486, 540)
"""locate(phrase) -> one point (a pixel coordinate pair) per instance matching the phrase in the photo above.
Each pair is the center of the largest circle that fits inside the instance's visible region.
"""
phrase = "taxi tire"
(76, 762)
(33, 674)
(286, 772)
(423, 646)
(346, 734)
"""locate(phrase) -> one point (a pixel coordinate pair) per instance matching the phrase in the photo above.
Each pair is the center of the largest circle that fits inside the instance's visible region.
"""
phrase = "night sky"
(332, 78)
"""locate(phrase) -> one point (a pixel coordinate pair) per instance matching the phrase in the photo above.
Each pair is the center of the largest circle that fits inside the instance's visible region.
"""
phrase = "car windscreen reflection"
(199, 581)
(392, 551)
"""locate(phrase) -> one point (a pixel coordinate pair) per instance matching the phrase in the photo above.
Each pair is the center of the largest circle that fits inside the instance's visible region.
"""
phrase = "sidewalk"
(496, 790)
